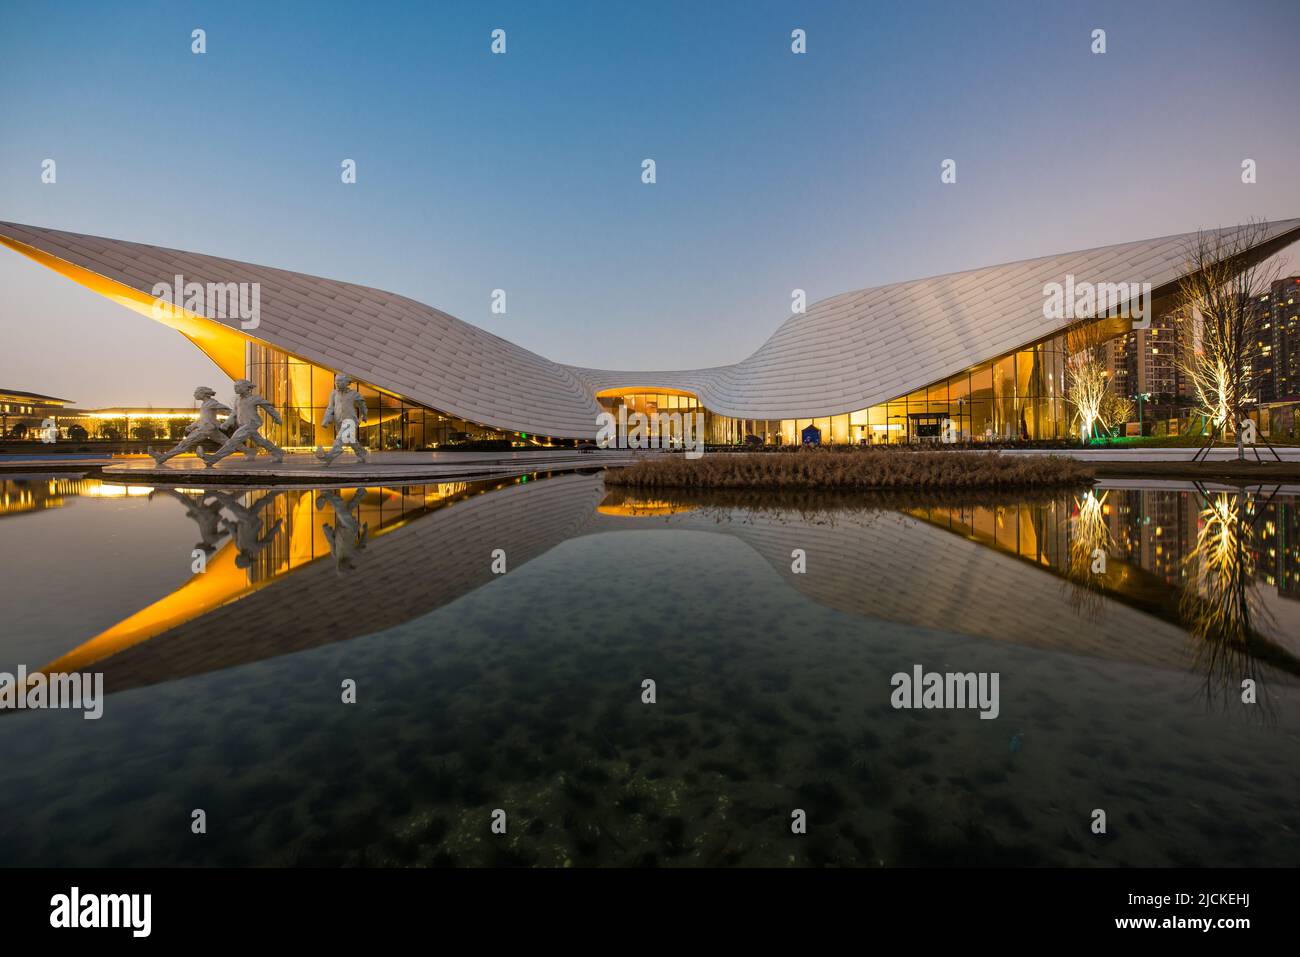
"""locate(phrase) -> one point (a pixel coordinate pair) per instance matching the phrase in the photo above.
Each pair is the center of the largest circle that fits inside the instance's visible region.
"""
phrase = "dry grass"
(818, 501)
(875, 469)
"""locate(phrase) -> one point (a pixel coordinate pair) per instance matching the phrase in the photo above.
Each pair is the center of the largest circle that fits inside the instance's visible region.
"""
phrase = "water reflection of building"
(1155, 530)
(1279, 546)
(31, 495)
(980, 567)
(239, 610)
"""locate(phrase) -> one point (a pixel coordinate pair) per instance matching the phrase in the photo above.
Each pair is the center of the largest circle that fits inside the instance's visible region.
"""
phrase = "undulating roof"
(845, 353)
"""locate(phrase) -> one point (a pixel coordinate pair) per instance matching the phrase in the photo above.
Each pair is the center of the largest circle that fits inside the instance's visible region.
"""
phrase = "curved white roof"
(846, 353)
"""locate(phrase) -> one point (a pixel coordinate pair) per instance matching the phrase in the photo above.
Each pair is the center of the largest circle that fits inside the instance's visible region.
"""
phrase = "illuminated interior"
(1017, 396)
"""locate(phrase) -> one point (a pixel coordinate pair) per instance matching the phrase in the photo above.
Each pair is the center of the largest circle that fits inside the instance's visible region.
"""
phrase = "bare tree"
(1086, 384)
(1218, 344)
(1116, 409)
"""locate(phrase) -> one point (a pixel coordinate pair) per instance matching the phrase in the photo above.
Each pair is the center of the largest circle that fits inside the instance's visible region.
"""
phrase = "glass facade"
(1016, 397)
(300, 390)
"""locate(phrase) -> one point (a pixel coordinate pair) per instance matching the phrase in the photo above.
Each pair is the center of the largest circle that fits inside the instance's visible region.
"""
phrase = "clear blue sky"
(522, 171)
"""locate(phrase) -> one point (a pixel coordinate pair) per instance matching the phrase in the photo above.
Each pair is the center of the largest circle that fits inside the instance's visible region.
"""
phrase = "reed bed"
(856, 469)
(819, 501)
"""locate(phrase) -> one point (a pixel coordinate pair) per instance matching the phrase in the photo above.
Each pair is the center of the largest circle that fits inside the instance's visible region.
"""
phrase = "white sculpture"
(245, 526)
(205, 513)
(203, 429)
(348, 535)
(248, 422)
(346, 408)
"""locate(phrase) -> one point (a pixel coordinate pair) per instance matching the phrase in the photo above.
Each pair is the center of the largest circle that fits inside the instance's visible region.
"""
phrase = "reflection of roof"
(410, 571)
(846, 353)
(879, 565)
(15, 394)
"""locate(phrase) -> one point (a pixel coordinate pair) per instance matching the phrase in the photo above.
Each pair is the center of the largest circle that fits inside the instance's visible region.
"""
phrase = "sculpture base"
(380, 468)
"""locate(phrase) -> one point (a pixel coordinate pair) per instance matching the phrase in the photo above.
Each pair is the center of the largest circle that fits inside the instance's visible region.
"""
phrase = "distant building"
(141, 424)
(23, 412)
(1279, 547)
(1145, 362)
(1277, 324)
(22, 415)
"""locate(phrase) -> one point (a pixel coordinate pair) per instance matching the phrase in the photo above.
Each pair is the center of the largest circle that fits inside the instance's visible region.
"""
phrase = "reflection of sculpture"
(206, 515)
(345, 408)
(203, 429)
(348, 536)
(245, 524)
(248, 421)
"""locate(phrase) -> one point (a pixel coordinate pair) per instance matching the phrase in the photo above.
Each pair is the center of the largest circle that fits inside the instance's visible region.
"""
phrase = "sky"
(523, 171)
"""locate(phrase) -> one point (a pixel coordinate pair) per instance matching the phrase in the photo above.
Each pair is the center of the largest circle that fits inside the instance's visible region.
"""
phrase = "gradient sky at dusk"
(522, 171)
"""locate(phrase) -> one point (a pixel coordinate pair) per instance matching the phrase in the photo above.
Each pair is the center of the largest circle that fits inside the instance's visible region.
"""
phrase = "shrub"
(857, 469)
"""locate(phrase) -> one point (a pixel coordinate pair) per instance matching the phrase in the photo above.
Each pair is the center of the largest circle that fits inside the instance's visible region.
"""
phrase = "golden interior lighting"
(224, 581)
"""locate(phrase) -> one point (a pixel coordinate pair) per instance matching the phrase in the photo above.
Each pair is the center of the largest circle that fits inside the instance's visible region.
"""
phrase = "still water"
(1122, 624)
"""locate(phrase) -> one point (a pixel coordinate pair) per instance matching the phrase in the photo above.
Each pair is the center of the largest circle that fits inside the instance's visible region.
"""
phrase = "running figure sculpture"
(346, 407)
(347, 537)
(245, 526)
(248, 421)
(203, 429)
(205, 513)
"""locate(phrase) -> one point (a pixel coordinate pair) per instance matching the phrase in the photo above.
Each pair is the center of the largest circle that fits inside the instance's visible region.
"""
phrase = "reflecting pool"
(500, 636)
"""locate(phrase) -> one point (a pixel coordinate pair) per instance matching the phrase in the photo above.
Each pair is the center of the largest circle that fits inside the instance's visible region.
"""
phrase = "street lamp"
(1139, 397)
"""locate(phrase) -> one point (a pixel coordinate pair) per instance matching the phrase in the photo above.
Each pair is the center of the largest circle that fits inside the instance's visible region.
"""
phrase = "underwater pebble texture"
(525, 695)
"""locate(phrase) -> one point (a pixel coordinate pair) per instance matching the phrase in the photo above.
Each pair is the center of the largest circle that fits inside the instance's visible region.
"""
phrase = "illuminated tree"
(1115, 409)
(1091, 546)
(1216, 337)
(1086, 384)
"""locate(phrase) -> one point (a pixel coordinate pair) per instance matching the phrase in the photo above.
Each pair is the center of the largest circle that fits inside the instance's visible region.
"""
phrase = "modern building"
(977, 350)
(1143, 365)
(21, 413)
(1276, 319)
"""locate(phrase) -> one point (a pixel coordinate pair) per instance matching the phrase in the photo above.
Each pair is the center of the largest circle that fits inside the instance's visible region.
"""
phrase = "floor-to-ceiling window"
(300, 391)
(1016, 397)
